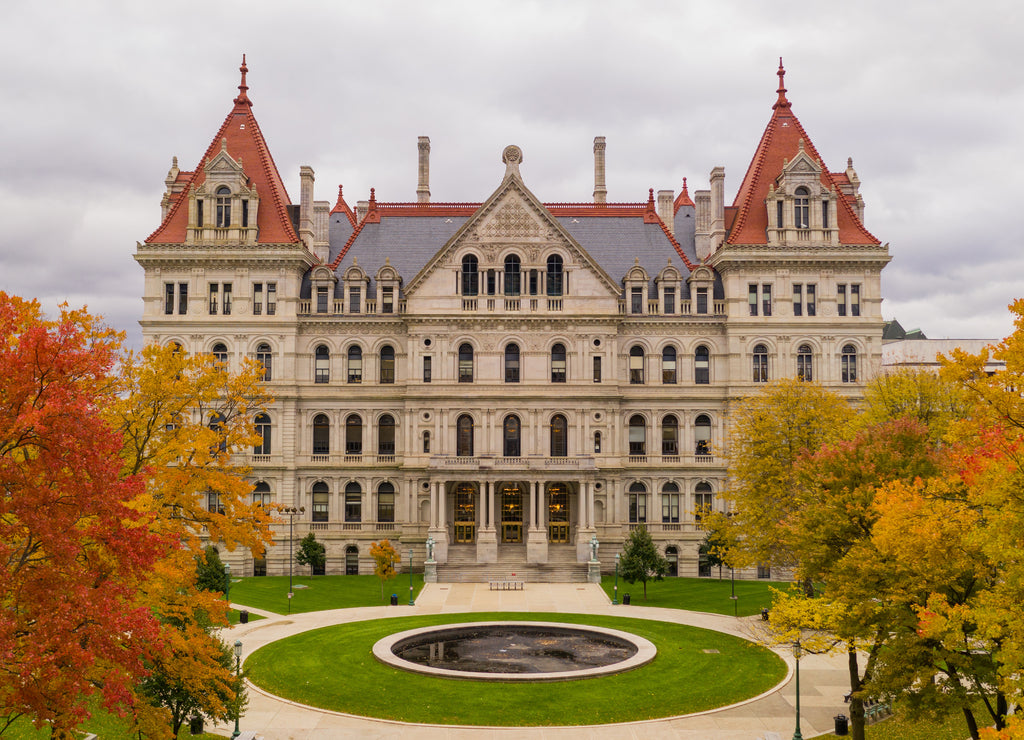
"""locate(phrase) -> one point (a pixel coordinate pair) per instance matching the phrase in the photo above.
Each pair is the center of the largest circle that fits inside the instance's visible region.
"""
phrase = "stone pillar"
(486, 538)
(585, 530)
(423, 185)
(537, 538)
(666, 208)
(438, 527)
(717, 207)
(600, 191)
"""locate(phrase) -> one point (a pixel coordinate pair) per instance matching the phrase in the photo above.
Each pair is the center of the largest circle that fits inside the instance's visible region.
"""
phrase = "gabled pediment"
(512, 219)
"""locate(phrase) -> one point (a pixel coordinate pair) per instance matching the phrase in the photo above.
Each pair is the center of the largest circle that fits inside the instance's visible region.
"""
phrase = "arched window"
(511, 434)
(387, 364)
(261, 495)
(465, 363)
(670, 503)
(220, 353)
(513, 276)
(355, 364)
(322, 365)
(668, 365)
(321, 435)
(703, 500)
(386, 435)
(511, 363)
(637, 435)
(354, 435)
(353, 502)
(637, 503)
(849, 364)
(223, 207)
(636, 365)
(263, 431)
(555, 284)
(558, 363)
(670, 436)
(386, 502)
(559, 436)
(802, 208)
(470, 276)
(702, 435)
(321, 500)
(701, 366)
(464, 436)
(266, 358)
(351, 560)
(760, 364)
(804, 363)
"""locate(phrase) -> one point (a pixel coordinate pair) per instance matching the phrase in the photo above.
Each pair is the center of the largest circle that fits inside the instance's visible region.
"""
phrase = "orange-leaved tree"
(385, 557)
(71, 549)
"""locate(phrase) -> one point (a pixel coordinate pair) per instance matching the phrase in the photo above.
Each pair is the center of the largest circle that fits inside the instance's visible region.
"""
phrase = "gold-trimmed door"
(465, 513)
(511, 513)
(558, 513)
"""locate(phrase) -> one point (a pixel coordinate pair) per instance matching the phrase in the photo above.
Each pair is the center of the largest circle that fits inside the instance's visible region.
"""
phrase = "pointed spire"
(243, 98)
(341, 200)
(650, 199)
(782, 102)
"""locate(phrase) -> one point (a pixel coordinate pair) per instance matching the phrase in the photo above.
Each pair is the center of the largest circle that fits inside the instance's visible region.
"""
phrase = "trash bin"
(764, 614)
(243, 617)
(394, 599)
(842, 725)
(195, 726)
(625, 599)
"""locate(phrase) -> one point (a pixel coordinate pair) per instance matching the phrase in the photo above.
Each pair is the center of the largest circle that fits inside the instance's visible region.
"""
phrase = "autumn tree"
(311, 553)
(71, 548)
(641, 561)
(385, 557)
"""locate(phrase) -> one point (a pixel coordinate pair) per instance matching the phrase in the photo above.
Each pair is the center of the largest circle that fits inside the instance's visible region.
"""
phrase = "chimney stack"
(666, 208)
(306, 232)
(717, 207)
(423, 187)
(600, 191)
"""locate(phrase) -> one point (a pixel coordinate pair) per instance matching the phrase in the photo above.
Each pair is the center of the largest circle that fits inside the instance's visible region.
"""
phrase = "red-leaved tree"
(71, 551)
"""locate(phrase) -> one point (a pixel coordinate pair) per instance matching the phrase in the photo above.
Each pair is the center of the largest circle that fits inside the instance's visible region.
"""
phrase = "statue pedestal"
(593, 572)
(537, 546)
(487, 546)
(430, 571)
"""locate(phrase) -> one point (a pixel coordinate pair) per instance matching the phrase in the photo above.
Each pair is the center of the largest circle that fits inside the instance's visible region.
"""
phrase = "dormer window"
(802, 208)
(223, 207)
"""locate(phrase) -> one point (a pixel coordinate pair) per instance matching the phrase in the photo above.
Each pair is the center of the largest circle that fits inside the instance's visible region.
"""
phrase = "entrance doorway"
(672, 556)
(351, 560)
(465, 513)
(558, 513)
(511, 514)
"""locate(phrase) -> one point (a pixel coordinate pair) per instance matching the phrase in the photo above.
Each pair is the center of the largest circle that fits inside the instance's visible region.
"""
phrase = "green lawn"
(334, 668)
(699, 594)
(316, 593)
(899, 727)
(105, 725)
(233, 616)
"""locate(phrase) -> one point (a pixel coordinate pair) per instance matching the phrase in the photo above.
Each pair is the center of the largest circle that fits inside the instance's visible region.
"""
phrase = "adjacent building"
(510, 378)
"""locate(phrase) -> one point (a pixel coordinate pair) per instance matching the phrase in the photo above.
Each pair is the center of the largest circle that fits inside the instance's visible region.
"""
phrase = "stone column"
(537, 538)
(486, 539)
(585, 531)
(438, 528)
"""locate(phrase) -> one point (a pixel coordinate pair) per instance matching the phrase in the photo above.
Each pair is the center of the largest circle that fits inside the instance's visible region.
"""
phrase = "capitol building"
(511, 379)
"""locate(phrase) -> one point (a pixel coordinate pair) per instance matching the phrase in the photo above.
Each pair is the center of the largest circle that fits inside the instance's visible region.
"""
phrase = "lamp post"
(291, 512)
(412, 602)
(238, 677)
(796, 654)
(227, 583)
(732, 580)
(615, 598)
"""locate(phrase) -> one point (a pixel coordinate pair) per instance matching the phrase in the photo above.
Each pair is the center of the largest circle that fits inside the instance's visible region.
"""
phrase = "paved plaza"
(823, 680)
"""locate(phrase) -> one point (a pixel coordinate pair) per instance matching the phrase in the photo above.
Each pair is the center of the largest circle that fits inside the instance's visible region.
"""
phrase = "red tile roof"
(342, 207)
(781, 142)
(244, 141)
(683, 199)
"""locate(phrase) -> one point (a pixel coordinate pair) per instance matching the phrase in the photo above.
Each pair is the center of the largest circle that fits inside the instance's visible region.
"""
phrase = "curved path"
(823, 680)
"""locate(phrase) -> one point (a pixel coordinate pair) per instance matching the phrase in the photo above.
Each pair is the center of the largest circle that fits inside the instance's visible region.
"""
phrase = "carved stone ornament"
(511, 220)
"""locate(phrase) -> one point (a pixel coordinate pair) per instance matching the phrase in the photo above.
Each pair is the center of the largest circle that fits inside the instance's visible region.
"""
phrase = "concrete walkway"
(823, 680)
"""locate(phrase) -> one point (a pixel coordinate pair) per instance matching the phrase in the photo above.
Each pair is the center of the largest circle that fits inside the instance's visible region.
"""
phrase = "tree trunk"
(856, 700)
(972, 724)
(1001, 710)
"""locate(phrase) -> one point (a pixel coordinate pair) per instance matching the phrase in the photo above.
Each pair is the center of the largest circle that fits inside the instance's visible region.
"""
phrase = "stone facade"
(511, 379)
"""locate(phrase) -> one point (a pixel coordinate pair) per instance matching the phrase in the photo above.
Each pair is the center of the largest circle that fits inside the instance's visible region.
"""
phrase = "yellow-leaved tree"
(385, 557)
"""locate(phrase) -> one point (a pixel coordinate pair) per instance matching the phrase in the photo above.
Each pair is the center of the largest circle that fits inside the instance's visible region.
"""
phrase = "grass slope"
(316, 593)
(699, 594)
(334, 668)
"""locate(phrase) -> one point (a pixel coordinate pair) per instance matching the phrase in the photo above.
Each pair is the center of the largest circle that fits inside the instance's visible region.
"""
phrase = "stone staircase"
(561, 567)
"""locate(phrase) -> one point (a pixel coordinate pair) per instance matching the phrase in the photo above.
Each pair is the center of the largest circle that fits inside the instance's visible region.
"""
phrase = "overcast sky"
(927, 97)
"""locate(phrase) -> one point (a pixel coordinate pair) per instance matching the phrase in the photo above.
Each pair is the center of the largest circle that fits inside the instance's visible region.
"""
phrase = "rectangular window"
(491, 282)
(798, 299)
(637, 508)
(385, 507)
(597, 369)
(271, 299)
(752, 298)
(533, 282)
(766, 300)
(778, 213)
(841, 299)
(245, 213)
(213, 504)
(355, 296)
(257, 299)
(214, 298)
(387, 300)
(321, 300)
(702, 502)
(636, 300)
(855, 300)
(168, 298)
(764, 571)
(182, 298)
(226, 299)
(320, 507)
(669, 300)
(353, 507)
(811, 307)
(702, 300)
(199, 212)
(824, 214)
(670, 508)
(427, 362)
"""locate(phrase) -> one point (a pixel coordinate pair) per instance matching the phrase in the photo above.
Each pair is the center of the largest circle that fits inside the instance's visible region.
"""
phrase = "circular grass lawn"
(334, 668)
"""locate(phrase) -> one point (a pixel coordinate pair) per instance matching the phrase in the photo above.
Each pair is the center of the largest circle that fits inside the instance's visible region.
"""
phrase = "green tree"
(311, 553)
(641, 561)
(210, 574)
